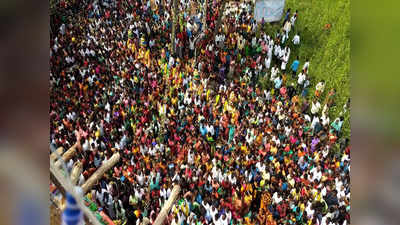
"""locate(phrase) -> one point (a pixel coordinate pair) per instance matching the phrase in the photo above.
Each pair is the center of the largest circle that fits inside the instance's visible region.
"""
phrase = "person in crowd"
(296, 39)
(319, 88)
(295, 66)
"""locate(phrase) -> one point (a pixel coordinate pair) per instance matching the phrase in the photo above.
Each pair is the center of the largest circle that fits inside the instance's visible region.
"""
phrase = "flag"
(72, 214)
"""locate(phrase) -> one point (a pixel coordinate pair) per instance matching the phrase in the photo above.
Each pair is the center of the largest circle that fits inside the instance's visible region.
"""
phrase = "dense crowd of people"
(196, 117)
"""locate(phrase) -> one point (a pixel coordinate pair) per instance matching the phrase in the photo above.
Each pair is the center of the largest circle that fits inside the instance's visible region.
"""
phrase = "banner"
(270, 10)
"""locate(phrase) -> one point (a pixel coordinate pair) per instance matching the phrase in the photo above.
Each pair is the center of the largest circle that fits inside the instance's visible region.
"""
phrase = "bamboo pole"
(167, 206)
(58, 185)
(205, 15)
(174, 21)
(56, 174)
(67, 155)
(59, 151)
(99, 172)
(76, 171)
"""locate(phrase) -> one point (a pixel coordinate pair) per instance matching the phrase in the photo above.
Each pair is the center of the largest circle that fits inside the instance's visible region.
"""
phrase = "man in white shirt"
(309, 211)
(171, 62)
(277, 50)
(285, 60)
(306, 65)
(293, 19)
(240, 42)
(232, 179)
(223, 220)
(314, 122)
(287, 27)
(324, 119)
(316, 174)
(100, 196)
(62, 29)
(325, 152)
(281, 53)
(300, 81)
(219, 40)
(207, 207)
(320, 87)
(176, 178)
(267, 95)
(315, 107)
(213, 213)
(191, 46)
(296, 39)
(274, 73)
(276, 199)
(341, 193)
(140, 178)
(210, 129)
(190, 157)
(267, 62)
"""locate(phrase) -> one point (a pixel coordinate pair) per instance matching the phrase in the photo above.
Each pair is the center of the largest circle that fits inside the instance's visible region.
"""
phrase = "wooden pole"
(174, 21)
(167, 206)
(67, 155)
(76, 171)
(57, 183)
(59, 151)
(205, 15)
(99, 172)
(62, 183)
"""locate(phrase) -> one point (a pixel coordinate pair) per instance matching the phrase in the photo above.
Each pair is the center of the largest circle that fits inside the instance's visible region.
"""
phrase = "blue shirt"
(295, 65)
(199, 199)
(278, 83)
(203, 130)
(287, 15)
(284, 186)
(303, 166)
(231, 130)
(337, 125)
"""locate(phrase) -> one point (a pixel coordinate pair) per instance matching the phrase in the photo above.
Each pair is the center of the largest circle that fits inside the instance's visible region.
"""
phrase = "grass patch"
(327, 50)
